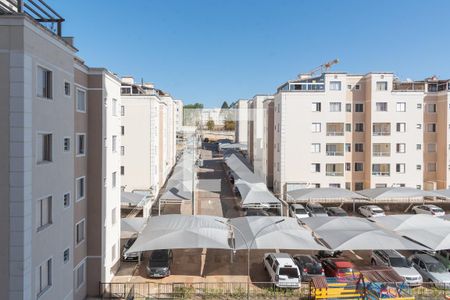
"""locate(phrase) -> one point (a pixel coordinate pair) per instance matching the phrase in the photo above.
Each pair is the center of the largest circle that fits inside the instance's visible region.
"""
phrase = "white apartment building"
(241, 118)
(178, 115)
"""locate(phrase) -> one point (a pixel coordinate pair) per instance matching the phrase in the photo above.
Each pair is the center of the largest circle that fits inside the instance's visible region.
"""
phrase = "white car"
(371, 211)
(316, 210)
(429, 209)
(298, 211)
(282, 270)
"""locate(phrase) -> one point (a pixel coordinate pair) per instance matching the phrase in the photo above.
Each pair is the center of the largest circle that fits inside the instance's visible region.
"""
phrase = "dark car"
(336, 212)
(129, 256)
(159, 263)
(256, 212)
(309, 266)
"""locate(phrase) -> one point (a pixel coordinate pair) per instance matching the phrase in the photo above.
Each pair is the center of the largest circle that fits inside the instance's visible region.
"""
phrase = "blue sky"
(214, 50)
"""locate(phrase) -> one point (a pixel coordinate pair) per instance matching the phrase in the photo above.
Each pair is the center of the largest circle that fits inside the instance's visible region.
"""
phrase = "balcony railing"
(337, 173)
(335, 133)
(335, 153)
(379, 133)
(381, 153)
(381, 173)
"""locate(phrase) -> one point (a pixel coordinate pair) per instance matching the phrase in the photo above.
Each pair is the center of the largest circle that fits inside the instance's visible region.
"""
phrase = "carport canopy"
(396, 193)
(255, 194)
(353, 233)
(329, 193)
(130, 227)
(427, 230)
(443, 193)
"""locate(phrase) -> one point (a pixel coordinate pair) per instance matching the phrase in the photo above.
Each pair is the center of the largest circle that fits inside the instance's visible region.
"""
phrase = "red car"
(339, 268)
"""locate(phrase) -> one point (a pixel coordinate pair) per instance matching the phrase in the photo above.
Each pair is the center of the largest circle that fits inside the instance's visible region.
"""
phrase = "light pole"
(249, 247)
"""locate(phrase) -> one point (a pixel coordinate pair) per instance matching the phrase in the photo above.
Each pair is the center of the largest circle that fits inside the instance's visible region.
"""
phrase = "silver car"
(399, 264)
(431, 269)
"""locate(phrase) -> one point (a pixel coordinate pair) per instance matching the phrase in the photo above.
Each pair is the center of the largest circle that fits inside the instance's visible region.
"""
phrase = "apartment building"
(268, 142)
(149, 122)
(360, 131)
(241, 118)
(178, 115)
(60, 228)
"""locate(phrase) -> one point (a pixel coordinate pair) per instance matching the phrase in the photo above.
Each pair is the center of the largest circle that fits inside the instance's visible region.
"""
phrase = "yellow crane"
(322, 68)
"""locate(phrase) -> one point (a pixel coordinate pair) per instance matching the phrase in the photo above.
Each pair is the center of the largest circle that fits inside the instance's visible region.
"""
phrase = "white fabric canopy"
(182, 232)
(427, 230)
(443, 193)
(128, 198)
(130, 227)
(285, 235)
(240, 169)
(353, 233)
(391, 193)
(255, 193)
(322, 194)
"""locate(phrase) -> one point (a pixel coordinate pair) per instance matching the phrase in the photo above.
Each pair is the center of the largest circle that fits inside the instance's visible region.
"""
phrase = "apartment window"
(348, 147)
(122, 170)
(349, 87)
(81, 274)
(66, 255)
(382, 85)
(400, 148)
(81, 188)
(316, 106)
(401, 127)
(113, 253)
(431, 147)
(357, 86)
(114, 216)
(381, 169)
(44, 83)
(431, 108)
(418, 167)
(44, 277)
(66, 144)
(348, 166)
(381, 106)
(381, 129)
(114, 179)
(418, 146)
(114, 143)
(81, 100)
(380, 185)
(81, 144)
(334, 169)
(419, 126)
(431, 127)
(315, 127)
(359, 186)
(419, 187)
(348, 107)
(359, 167)
(401, 106)
(348, 127)
(335, 85)
(335, 106)
(315, 148)
(80, 231)
(44, 147)
(381, 149)
(114, 107)
(66, 199)
(122, 110)
(359, 147)
(122, 130)
(419, 106)
(44, 212)
(359, 127)
(431, 167)
(66, 88)
(400, 168)
(359, 107)
(122, 150)
(315, 168)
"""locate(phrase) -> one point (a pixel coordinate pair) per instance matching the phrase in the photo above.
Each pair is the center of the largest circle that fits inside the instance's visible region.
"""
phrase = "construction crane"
(322, 68)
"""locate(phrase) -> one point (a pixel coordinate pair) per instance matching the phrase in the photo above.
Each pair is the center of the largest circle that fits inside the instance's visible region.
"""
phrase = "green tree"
(225, 105)
(229, 125)
(210, 124)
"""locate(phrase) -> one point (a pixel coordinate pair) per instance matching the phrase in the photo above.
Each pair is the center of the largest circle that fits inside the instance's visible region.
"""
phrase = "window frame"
(45, 68)
(79, 89)
(39, 226)
(77, 144)
(70, 200)
(64, 143)
(43, 291)
(70, 88)
(78, 243)
(77, 198)
(78, 285)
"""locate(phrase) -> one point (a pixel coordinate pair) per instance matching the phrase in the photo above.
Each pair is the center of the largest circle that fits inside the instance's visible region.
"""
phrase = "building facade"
(241, 117)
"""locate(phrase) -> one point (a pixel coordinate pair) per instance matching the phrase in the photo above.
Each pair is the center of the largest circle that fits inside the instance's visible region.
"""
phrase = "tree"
(210, 124)
(225, 105)
(196, 105)
(229, 125)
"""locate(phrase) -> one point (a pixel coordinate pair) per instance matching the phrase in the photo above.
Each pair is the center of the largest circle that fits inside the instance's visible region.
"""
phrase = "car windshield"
(399, 262)
(377, 210)
(289, 272)
(437, 209)
(300, 211)
(318, 210)
(436, 268)
(159, 256)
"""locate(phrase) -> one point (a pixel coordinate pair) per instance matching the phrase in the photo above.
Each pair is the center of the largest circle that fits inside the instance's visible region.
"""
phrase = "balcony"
(334, 170)
(382, 149)
(408, 86)
(335, 149)
(335, 129)
(381, 169)
(381, 173)
(381, 129)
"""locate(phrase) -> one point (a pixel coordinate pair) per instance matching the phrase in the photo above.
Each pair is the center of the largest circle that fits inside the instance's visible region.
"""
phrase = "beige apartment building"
(60, 184)
(241, 118)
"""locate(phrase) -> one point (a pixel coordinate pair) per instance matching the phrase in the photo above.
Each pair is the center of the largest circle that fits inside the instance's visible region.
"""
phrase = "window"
(357, 86)
(348, 127)
(335, 106)
(335, 85)
(66, 144)
(401, 127)
(122, 130)
(400, 148)
(359, 167)
(349, 87)
(315, 168)
(348, 166)
(316, 106)
(114, 107)
(431, 127)
(431, 167)
(419, 105)
(359, 186)
(114, 143)
(113, 216)
(66, 199)
(122, 170)
(431, 108)
(381, 106)
(122, 110)
(81, 100)
(122, 150)
(382, 85)
(401, 106)
(114, 179)
(113, 252)
(315, 127)
(44, 147)
(400, 168)
(381, 169)
(359, 107)
(44, 277)
(80, 232)
(81, 188)
(359, 127)
(66, 255)
(315, 148)
(44, 83)
(44, 213)
(348, 107)
(419, 126)
(66, 88)
(348, 147)
(418, 146)
(431, 147)
(418, 167)
(80, 275)
(359, 147)
(81, 144)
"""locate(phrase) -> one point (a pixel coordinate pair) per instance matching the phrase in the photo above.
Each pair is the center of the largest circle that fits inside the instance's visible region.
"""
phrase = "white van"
(282, 270)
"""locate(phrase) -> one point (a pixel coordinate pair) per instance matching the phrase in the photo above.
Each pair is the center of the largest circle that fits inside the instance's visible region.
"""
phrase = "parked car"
(130, 256)
(399, 264)
(339, 268)
(316, 210)
(328, 253)
(431, 269)
(371, 211)
(298, 211)
(444, 257)
(282, 270)
(428, 209)
(256, 212)
(159, 263)
(309, 266)
(336, 212)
